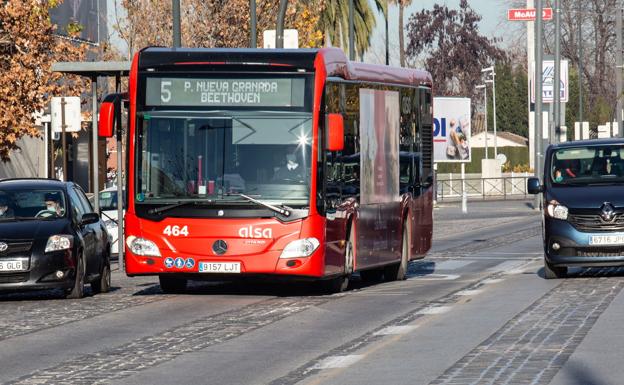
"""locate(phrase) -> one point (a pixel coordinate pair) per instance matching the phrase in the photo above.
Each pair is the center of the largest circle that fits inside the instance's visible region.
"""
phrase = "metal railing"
(507, 187)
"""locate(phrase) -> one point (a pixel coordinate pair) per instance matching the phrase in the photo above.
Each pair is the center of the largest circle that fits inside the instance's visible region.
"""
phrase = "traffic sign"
(528, 14)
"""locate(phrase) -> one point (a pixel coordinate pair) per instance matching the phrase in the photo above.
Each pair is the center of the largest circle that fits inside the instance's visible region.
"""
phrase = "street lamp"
(490, 71)
(484, 87)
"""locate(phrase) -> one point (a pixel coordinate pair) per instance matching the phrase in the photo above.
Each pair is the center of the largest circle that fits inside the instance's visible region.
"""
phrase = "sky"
(493, 24)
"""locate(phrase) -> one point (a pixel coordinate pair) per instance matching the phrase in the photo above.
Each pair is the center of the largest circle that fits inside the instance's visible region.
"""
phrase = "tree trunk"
(401, 34)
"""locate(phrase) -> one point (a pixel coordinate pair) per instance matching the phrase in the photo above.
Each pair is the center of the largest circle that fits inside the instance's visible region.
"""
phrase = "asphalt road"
(477, 310)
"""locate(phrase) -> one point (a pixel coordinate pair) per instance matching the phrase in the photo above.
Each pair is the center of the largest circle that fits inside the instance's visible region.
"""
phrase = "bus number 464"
(176, 231)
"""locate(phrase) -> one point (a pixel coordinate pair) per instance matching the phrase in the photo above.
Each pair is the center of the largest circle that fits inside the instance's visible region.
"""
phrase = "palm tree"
(402, 4)
(335, 22)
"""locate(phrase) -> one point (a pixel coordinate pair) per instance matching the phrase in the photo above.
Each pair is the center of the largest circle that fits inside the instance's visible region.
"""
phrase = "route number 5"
(165, 93)
(176, 231)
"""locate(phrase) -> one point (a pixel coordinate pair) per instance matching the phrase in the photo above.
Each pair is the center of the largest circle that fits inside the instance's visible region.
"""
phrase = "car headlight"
(59, 242)
(142, 246)
(300, 248)
(557, 210)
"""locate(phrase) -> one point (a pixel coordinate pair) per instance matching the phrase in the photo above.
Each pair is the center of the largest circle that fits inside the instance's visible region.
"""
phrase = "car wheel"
(77, 291)
(172, 285)
(554, 272)
(103, 284)
(398, 271)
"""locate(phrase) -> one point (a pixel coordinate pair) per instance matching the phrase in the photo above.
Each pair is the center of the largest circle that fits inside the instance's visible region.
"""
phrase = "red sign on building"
(528, 14)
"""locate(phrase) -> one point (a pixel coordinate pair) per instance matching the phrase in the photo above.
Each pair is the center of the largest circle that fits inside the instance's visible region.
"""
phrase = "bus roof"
(336, 62)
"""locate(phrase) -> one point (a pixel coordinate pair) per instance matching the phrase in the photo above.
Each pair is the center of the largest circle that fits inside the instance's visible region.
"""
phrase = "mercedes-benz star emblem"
(219, 247)
(3, 246)
(607, 212)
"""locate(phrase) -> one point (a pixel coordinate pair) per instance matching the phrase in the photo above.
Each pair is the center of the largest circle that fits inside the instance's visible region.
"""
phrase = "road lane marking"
(432, 310)
(435, 277)
(469, 292)
(506, 266)
(490, 281)
(451, 264)
(336, 362)
(394, 330)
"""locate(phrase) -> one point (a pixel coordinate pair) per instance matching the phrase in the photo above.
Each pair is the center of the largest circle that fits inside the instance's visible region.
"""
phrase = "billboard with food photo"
(451, 129)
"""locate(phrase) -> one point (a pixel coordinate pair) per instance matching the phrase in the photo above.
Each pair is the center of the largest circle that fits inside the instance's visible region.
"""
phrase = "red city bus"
(280, 163)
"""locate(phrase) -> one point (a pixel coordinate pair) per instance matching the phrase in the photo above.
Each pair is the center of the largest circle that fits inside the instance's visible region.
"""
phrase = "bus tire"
(171, 285)
(398, 271)
(340, 284)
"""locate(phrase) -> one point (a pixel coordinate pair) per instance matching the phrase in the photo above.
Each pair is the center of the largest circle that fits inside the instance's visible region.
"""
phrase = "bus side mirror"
(106, 121)
(335, 132)
(110, 114)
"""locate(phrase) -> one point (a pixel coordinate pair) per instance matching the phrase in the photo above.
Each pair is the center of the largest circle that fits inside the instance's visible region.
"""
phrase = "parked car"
(51, 238)
(109, 214)
(583, 215)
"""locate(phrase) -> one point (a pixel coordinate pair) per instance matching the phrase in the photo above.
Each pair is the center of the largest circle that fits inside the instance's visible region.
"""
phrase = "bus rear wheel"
(172, 285)
(398, 271)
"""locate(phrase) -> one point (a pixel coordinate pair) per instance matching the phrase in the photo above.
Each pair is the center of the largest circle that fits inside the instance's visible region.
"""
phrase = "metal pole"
(94, 138)
(253, 28)
(64, 139)
(279, 33)
(618, 67)
(177, 37)
(51, 173)
(351, 31)
(580, 63)
(486, 120)
(557, 80)
(494, 107)
(538, 95)
(387, 37)
(120, 184)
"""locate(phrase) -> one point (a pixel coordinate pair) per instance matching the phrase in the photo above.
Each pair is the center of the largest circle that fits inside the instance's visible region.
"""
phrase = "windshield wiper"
(284, 210)
(161, 209)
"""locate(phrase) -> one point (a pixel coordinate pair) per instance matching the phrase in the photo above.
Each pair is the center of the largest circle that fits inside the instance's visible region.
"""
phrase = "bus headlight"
(557, 210)
(59, 242)
(300, 248)
(142, 246)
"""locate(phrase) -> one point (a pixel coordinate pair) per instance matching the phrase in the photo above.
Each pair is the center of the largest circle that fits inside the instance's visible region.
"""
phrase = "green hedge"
(515, 156)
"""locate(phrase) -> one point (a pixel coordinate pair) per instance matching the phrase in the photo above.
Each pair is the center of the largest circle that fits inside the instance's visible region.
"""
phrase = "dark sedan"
(583, 205)
(51, 238)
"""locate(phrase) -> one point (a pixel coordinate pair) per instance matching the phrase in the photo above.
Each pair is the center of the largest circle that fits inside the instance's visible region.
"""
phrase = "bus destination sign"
(195, 92)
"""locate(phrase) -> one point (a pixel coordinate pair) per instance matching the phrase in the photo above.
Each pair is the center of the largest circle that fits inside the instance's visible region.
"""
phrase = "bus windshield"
(217, 155)
(599, 164)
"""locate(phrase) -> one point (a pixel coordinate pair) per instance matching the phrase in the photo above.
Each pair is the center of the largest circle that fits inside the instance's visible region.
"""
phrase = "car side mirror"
(89, 218)
(534, 186)
(335, 132)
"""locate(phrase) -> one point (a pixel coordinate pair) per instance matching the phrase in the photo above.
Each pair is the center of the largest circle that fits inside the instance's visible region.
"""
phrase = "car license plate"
(12, 265)
(615, 239)
(219, 267)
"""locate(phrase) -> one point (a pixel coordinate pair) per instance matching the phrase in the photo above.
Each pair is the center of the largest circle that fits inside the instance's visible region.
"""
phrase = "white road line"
(506, 266)
(432, 310)
(334, 362)
(469, 292)
(399, 329)
(490, 281)
(435, 277)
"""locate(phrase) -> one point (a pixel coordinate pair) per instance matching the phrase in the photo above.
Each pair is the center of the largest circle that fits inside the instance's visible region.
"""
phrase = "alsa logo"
(255, 232)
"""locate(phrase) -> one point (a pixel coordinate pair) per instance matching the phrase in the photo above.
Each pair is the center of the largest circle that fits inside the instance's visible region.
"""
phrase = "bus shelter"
(93, 71)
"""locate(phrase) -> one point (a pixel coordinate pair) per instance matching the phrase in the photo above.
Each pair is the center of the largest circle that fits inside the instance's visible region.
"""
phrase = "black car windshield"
(217, 155)
(587, 165)
(31, 204)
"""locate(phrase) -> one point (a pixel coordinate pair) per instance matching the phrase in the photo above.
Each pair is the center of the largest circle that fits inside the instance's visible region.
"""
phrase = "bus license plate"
(12, 265)
(219, 267)
(607, 239)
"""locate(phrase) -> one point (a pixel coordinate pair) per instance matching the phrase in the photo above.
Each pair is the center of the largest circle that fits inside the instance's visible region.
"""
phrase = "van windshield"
(599, 164)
